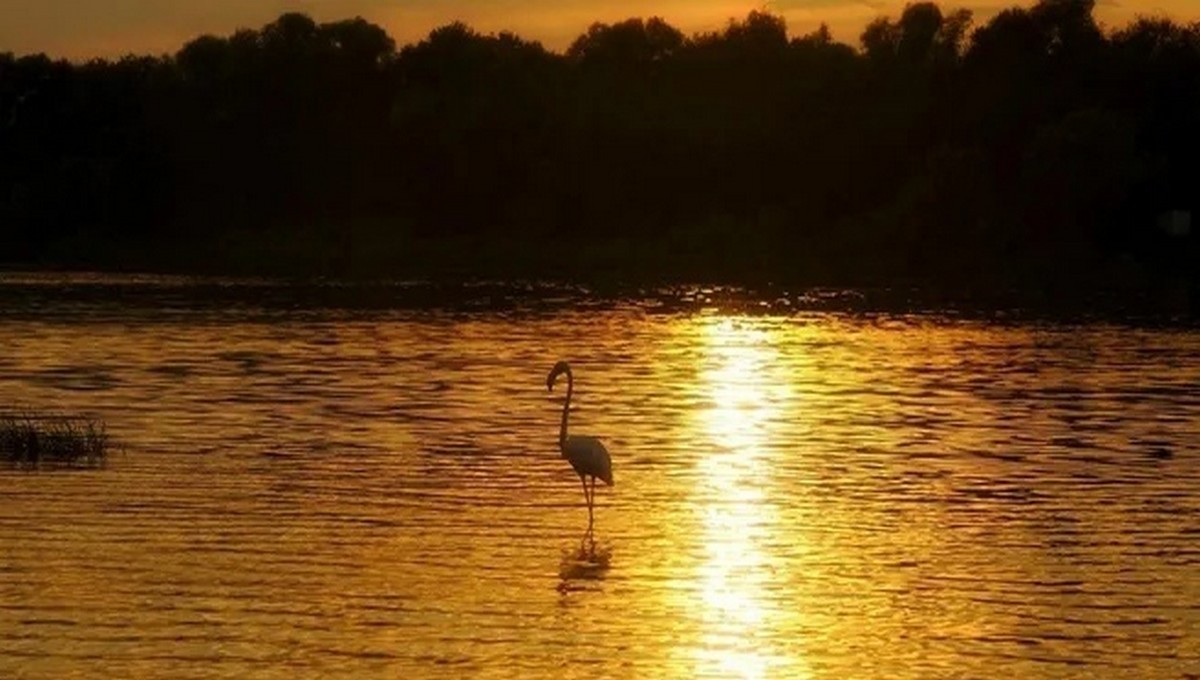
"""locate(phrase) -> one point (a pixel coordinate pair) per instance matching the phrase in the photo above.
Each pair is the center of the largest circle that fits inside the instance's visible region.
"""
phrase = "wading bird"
(586, 454)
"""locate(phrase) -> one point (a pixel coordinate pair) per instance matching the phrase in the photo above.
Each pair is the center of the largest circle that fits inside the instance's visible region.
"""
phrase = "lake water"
(374, 490)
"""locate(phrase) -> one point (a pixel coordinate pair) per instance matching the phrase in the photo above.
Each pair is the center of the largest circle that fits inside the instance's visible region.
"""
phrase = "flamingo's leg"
(588, 501)
(591, 517)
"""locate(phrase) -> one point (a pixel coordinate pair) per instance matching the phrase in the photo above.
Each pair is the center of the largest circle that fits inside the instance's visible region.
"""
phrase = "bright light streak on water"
(377, 494)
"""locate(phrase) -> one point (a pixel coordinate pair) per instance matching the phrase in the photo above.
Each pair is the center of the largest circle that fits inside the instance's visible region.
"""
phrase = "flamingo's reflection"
(586, 563)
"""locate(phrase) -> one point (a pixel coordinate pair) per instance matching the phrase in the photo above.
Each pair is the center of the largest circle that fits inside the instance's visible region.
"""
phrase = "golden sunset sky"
(80, 29)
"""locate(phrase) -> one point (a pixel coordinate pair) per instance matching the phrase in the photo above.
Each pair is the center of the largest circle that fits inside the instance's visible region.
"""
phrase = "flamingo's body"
(587, 455)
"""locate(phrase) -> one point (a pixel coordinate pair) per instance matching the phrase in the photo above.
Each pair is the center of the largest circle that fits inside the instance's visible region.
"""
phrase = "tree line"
(1036, 145)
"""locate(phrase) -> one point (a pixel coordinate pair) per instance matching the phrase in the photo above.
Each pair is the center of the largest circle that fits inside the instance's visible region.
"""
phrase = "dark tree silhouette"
(1037, 147)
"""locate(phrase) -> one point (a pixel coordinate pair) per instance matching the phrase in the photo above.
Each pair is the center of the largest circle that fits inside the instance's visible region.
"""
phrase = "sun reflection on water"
(737, 512)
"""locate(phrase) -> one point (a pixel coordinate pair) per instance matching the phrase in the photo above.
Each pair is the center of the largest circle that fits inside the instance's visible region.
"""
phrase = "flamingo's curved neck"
(562, 432)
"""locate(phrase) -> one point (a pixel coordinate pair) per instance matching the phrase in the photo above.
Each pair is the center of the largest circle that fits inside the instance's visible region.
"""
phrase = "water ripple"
(375, 491)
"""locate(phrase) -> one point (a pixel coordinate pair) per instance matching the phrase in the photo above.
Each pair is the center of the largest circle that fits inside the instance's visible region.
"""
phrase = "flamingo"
(586, 454)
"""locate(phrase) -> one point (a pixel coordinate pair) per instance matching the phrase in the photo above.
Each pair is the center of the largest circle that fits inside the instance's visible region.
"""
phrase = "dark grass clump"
(37, 441)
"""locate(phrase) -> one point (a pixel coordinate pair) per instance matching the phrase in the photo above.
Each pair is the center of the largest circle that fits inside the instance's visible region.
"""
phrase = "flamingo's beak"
(559, 368)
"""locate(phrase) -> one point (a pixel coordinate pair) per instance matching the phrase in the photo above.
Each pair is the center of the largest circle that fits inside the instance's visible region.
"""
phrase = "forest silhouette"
(1036, 147)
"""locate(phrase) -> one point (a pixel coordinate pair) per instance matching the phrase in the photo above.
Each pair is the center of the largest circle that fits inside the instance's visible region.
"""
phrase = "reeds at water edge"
(33, 440)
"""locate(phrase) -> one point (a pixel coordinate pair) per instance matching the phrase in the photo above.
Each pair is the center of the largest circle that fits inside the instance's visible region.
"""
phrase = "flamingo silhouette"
(586, 454)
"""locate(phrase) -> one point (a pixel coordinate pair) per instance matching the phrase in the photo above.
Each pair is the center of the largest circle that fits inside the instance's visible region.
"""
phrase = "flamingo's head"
(559, 368)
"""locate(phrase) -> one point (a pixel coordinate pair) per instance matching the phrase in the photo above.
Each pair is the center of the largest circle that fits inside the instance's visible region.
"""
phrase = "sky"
(82, 29)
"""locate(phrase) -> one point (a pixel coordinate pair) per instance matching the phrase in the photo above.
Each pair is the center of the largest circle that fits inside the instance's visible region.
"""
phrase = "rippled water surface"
(340, 492)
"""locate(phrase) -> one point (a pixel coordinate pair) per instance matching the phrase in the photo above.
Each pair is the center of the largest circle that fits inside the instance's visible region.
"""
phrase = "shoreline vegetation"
(32, 440)
(1037, 149)
(25, 293)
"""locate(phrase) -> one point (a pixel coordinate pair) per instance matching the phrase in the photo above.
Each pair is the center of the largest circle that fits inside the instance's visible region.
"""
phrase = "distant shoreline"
(1038, 151)
(1169, 300)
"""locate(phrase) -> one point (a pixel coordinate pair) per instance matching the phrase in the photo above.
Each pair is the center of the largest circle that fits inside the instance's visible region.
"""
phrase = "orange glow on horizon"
(83, 29)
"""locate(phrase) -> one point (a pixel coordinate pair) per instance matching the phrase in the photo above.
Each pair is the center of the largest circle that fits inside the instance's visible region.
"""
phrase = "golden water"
(323, 494)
